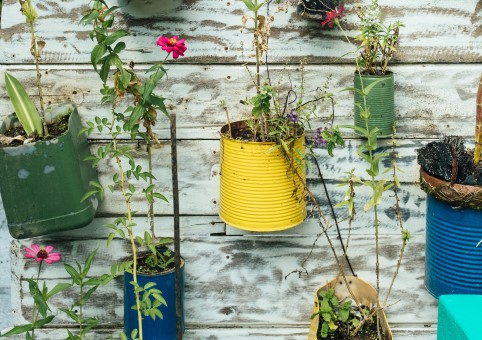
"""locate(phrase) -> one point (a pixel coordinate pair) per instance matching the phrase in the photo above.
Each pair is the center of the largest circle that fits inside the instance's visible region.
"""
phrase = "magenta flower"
(41, 254)
(333, 15)
(174, 45)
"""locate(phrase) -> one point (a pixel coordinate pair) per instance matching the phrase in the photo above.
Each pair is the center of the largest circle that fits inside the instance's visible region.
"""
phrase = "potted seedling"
(43, 175)
(378, 43)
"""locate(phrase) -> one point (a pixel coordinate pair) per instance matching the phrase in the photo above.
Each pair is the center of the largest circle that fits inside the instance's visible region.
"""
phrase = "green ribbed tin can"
(42, 183)
(380, 102)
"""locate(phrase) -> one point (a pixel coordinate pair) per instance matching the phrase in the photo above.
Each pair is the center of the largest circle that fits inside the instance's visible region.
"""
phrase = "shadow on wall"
(5, 280)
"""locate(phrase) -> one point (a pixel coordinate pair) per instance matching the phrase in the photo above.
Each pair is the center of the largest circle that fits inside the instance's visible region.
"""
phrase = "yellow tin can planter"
(259, 190)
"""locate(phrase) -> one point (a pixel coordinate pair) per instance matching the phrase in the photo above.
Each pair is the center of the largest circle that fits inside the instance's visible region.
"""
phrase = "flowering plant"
(278, 114)
(41, 311)
(141, 113)
(378, 42)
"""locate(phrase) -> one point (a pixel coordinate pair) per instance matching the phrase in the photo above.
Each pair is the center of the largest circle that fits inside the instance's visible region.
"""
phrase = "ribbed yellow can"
(259, 191)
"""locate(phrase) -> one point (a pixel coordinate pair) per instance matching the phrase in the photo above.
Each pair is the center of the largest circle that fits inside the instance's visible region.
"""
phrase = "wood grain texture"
(212, 332)
(441, 32)
(430, 100)
(241, 280)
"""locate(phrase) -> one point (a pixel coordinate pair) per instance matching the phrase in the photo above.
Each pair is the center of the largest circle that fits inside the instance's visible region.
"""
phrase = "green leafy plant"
(378, 42)
(136, 121)
(42, 314)
(332, 312)
(87, 287)
(27, 114)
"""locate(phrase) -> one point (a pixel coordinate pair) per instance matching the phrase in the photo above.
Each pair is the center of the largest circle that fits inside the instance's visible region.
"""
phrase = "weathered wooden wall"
(235, 281)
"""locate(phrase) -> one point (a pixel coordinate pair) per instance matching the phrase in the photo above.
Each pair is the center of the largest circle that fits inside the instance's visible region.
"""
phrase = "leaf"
(250, 5)
(74, 274)
(104, 71)
(24, 108)
(88, 262)
(119, 47)
(71, 314)
(18, 330)
(149, 285)
(88, 194)
(160, 196)
(137, 113)
(87, 295)
(115, 36)
(58, 288)
(97, 53)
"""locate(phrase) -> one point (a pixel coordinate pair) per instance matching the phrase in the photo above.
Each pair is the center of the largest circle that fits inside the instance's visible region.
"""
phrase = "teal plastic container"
(42, 183)
(158, 329)
(459, 317)
(380, 102)
(453, 262)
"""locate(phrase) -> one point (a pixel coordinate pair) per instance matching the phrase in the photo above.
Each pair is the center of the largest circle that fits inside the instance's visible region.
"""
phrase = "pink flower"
(174, 45)
(41, 254)
(333, 15)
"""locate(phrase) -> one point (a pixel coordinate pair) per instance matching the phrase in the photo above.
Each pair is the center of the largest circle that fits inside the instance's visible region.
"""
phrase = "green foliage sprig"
(332, 312)
(378, 42)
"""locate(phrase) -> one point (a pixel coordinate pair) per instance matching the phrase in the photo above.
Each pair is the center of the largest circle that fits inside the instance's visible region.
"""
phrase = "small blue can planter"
(158, 329)
(453, 262)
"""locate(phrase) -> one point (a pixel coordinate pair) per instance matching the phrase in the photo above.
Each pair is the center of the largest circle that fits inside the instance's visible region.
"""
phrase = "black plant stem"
(177, 239)
(332, 212)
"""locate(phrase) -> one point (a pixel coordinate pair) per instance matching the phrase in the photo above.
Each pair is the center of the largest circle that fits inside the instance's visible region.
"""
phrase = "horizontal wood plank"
(213, 332)
(241, 280)
(441, 32)
(430, 100)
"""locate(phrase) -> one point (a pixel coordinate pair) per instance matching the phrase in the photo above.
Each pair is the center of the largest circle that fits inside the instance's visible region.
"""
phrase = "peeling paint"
(48, 169)
(23, 173)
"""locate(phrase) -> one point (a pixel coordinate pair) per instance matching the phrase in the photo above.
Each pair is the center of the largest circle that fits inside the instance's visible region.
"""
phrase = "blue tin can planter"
(453, 262)
(158, 329)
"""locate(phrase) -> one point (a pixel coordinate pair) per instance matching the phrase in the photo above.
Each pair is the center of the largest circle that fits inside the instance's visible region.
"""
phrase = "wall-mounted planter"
(362, 291)
(42, 183)
(258, 190)
(380, 102)
(158, 329)
(453, 262)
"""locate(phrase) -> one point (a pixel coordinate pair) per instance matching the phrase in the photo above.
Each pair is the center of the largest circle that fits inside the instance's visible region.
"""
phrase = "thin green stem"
(34, 310)
(81, 309)
(125, 195)
(151, 204)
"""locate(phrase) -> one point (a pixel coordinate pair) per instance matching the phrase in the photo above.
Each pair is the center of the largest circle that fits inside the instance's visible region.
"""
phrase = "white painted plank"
(434, 32)
(241, 280)
(430, 100)
(215, 332)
